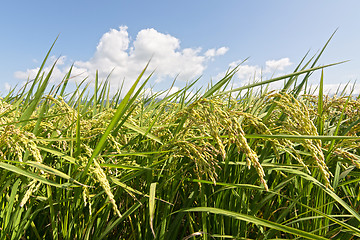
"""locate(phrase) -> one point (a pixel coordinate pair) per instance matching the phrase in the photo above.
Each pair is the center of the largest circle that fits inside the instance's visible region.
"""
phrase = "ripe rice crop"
(243, 163)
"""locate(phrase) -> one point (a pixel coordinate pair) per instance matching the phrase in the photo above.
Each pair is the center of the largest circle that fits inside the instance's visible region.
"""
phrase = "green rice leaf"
(277, 78)
(152, 206)
(122, 166)
(255, 220)
(228, 76)
(142, 132)
(35, 101)
(117, 116)
(325, 189)
(11, 202)
(53, 171)
(320, 120)
(31, 175)
(301, 137)
(59, 154)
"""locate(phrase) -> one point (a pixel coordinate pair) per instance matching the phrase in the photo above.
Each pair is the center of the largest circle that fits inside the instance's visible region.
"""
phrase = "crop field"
(221, 163)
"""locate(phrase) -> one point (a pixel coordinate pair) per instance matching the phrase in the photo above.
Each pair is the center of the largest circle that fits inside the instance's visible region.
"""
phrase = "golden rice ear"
(299, 122)
(100, 176)
(32, 188)
(212, 118)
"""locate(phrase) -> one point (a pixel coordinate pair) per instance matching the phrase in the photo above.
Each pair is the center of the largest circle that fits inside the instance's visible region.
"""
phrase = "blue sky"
(190, 38)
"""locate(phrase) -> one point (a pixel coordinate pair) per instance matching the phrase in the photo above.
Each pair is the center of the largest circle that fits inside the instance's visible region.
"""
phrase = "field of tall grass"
(245, 163)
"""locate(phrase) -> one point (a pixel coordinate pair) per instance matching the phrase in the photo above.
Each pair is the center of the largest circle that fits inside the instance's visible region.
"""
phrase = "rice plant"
(243, 163)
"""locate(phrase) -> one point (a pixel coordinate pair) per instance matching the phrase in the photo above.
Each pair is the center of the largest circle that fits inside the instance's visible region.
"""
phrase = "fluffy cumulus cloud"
(216, 52)
(124, 58)
(280, 65)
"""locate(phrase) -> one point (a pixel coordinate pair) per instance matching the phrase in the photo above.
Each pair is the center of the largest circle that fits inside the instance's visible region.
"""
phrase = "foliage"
(242, 163)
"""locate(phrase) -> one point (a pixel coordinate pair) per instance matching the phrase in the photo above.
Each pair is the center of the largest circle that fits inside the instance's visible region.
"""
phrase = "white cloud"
(273, 65)
(221, 51)
(7, 86)
(116, 51)
(29, 73)
(247, 72)
(216, 52)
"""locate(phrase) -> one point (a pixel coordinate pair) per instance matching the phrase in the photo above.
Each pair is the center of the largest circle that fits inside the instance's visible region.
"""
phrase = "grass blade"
(152, 206)
(255, 220)
(277, 78)
(320, 121)
(31, 175)
(117, 116)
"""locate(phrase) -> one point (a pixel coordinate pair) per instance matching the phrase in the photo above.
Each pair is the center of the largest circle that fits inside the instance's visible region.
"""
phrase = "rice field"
(222, 163)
